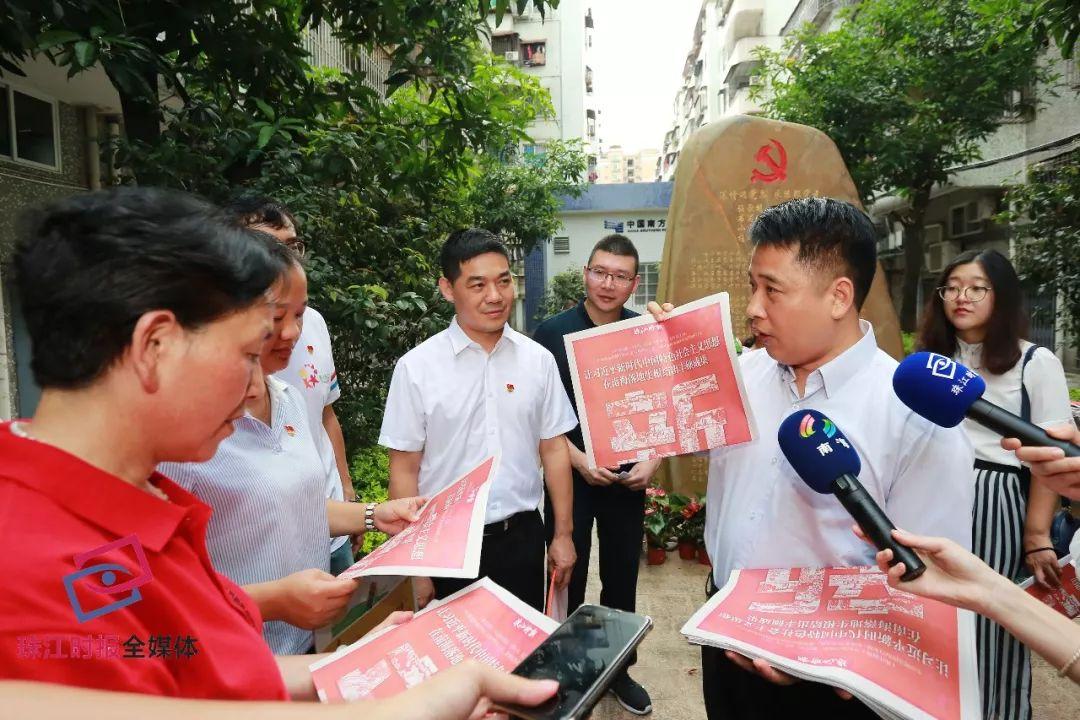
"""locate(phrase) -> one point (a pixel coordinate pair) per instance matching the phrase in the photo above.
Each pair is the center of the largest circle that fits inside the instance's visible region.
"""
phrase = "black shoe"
(631, 696)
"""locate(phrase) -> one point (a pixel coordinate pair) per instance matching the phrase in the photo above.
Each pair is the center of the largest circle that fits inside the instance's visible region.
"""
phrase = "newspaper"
(902, 655)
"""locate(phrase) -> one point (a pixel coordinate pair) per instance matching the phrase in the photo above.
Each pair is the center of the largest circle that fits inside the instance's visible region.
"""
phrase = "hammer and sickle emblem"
(777, 166)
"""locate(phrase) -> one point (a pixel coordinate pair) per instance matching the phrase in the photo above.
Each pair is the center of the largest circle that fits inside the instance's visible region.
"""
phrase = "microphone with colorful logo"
(826, 461)
(945, 392)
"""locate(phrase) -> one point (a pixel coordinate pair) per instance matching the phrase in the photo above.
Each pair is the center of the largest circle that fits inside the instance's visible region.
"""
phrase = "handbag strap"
(1025, 413)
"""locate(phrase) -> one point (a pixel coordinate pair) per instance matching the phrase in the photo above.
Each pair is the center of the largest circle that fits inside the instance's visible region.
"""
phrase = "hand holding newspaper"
(903, 656)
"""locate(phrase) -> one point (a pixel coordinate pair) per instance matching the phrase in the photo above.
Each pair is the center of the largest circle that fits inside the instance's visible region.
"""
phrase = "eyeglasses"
(974, 293)
(600, 276)
(297, 246)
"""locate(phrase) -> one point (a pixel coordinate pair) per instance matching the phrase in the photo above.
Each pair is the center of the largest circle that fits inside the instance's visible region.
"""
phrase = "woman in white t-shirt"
(977, 316)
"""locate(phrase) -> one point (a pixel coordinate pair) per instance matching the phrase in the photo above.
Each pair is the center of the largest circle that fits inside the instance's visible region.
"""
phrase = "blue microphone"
(945, 392)
(826, 461)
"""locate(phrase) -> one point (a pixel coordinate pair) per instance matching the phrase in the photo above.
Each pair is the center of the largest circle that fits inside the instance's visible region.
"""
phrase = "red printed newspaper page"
(445, 541)
(483, 622)
(905, 656)
(1066, 598)
(646, 389)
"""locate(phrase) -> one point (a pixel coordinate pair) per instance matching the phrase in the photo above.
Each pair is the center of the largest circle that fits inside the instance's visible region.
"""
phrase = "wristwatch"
(369, 514)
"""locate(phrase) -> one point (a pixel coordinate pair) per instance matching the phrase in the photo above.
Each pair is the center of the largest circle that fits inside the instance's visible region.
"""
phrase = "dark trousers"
(732, 693)
(513, 556)
(619, 515)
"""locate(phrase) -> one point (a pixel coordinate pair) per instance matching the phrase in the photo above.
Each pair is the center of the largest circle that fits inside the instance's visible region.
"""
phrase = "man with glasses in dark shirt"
(613, 497)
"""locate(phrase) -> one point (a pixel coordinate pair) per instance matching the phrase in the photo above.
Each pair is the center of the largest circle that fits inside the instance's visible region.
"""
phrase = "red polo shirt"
(157, 618)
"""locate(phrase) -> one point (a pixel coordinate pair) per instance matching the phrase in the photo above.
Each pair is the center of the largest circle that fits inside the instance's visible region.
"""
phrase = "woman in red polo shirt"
(147, 314)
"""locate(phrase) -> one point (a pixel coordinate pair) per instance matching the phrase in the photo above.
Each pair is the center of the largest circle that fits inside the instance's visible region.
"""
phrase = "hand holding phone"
(585, 654)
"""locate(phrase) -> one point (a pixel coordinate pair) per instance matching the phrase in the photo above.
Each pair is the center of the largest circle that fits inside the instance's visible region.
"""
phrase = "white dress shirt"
(311, 371)
(266, 486)
(759, 514)
(1047, 389)
(459, 404)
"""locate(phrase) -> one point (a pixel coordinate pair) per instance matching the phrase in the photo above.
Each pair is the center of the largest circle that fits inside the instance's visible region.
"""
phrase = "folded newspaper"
(1065, 598)
(904, 656)
(483, 622)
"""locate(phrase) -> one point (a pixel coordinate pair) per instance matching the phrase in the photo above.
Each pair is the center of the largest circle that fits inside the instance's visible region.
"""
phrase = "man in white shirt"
(476, 389)
(812, 265)
(311, 366)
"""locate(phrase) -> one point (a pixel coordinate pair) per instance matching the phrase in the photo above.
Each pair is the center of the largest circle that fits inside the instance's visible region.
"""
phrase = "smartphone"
(585, 654)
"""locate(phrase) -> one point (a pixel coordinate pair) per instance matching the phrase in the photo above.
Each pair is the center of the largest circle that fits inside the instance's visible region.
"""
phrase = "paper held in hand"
(646, 389)
(483, 622)
(445, 541)
(903, 656)
(1064, 598)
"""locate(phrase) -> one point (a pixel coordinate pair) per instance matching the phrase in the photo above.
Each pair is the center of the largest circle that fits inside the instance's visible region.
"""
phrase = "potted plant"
(691, 529)
(657, 524)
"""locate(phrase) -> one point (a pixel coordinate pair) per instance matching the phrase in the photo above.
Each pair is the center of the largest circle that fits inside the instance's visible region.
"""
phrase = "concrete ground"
(669, 667)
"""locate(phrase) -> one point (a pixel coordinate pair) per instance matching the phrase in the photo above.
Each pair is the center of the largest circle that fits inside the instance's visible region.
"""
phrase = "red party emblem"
(777, 166)
(290, 430)
(509, 387)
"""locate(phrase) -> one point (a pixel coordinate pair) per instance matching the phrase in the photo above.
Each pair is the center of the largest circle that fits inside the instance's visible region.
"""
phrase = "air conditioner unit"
(939, 253)
(757, 80)
(512, 56)
(985, 208)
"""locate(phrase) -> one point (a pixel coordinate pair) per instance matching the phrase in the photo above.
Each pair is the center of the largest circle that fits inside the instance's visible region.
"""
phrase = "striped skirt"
(997, 538)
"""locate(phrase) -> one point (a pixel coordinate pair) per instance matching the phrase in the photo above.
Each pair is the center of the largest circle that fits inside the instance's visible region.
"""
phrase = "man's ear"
(447, 290)
(843, 296)
(156, 335)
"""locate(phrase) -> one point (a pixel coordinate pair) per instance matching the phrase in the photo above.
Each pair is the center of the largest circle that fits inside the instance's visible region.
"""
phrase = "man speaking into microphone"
(812, 263)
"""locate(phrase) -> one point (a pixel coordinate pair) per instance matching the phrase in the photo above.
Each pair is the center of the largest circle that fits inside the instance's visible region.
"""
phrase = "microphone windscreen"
(936, 387)
(816, 448)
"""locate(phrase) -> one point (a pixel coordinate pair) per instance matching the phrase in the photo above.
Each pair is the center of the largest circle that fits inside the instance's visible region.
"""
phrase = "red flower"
(655, 492)
(650, 511)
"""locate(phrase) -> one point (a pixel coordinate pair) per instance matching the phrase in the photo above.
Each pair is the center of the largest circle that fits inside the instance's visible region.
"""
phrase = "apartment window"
(561, 245)
(534, 54)
(1019, 105)
(590, 123)
(650, 278)
(502, 44)
(1072, 73)
(5, 123)
(29, 128)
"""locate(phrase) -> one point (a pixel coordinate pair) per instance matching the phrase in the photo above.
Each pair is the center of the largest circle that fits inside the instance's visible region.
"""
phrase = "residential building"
(637, 210)
(962, 211)
(556, 50)
(52, 130)
(718, 71)
(619, 166)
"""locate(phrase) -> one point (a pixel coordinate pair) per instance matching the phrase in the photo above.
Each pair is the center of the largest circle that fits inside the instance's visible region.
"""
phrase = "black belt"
(997, 467)
(505, 526)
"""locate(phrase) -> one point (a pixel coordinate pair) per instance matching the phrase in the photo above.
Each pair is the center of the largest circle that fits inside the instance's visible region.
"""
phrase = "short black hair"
(250, 209)
(89, 266)
(832, 235)
(463, 245)
(616, 244)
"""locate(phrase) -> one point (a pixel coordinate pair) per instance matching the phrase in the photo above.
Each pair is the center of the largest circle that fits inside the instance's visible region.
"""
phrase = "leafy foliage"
(1047, 216)
(1057, 19)
(375, 182)
(564, 291)
(906, 89)
(370, 470)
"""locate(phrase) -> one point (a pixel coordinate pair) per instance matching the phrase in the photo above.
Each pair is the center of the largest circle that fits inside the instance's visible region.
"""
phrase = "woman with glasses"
(977, 316)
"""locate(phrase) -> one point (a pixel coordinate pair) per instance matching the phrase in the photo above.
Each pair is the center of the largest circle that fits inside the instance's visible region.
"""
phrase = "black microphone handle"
(875, 524)
(1006, 424)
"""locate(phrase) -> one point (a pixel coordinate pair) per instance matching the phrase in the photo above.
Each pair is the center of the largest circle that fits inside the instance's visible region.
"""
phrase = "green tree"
(565, 290)
(1057, 19)
(519, 201)
(1046, 213)
(251, 50)
(906, 89)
